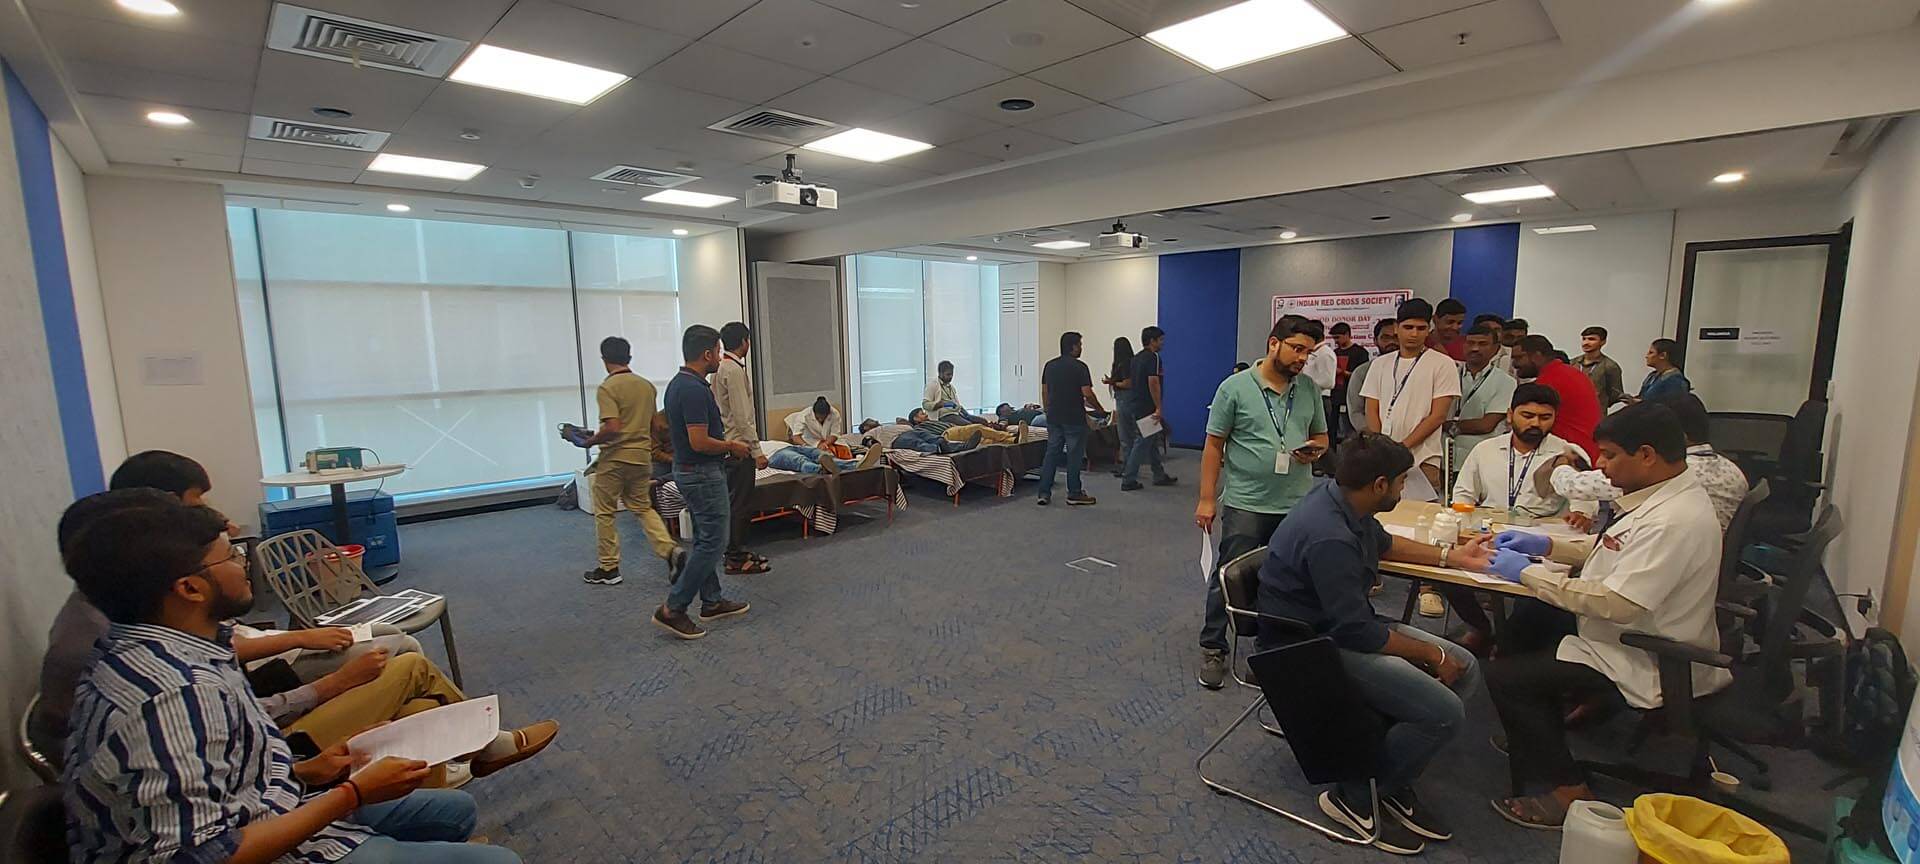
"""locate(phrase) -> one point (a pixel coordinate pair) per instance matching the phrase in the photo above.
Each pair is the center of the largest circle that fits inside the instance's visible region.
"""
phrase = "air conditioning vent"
(314, 134)
(361, 42)
(785, 127)
(648, 177)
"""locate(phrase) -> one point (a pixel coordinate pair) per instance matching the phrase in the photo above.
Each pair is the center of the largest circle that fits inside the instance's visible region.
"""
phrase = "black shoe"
(1166, 481)
(602, 577)
(676, 562)
(677, 623)
(1131, 485)
(1081, 500)
(1043, 501)
(1420, 819)
(1394, 837)
(723, 609)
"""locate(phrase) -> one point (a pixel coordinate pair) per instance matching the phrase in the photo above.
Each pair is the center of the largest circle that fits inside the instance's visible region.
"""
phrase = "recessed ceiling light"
(1463, 217)
(534, 75)
(1378, 218)
(1245, 32)
(168, 118)
(867, 145)
(331, 113)
(1511, 193)
(683, 198)
(1062, 244)
(394, 163)
(1730, 177)
(1016, 104)
(1564, 229)
(150, 7)
(973, 257)
(1289, 235)
(680, 232)
(399, 208)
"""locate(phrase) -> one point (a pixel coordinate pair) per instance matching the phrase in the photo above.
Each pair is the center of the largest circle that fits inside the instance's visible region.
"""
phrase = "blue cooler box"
(369, 515)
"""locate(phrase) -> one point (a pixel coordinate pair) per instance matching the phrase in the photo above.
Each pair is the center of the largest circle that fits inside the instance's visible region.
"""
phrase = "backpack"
(1879, 692)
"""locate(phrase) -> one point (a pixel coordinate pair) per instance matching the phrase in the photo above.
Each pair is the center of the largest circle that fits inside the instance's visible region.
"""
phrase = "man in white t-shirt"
(816, 426)
(1411, 394)
(1652, 571)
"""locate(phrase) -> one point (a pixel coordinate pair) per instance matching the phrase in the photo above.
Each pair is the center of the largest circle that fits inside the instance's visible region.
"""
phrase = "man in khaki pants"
(621, 473)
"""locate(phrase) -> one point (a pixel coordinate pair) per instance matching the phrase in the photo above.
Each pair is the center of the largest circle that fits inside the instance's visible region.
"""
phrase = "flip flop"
(748, 566)
(1537, 812)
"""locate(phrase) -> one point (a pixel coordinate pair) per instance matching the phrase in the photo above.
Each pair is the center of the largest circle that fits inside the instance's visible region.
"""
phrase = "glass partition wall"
(906, 315)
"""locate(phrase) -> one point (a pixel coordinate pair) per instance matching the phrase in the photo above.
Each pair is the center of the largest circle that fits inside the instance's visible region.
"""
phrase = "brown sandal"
(1538, 812)
(748, 566)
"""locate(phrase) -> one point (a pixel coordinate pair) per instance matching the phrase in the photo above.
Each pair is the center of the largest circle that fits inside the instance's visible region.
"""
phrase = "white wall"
(1745, 222)
(88, 309)
(1614, 276)
(1053, 317)
(166, 277)
(1105, 299)
(1874, 378)
(712, 281)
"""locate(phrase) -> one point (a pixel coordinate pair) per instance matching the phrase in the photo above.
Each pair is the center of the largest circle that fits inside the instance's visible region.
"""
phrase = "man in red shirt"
(1534, 357)
(1448, 317)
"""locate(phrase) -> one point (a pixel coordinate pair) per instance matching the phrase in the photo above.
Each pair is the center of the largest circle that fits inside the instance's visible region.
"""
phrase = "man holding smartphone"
(1266, 427)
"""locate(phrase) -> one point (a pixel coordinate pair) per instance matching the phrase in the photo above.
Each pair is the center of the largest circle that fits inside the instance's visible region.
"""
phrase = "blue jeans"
(1067, 444)
(1241, 531)
(801, 459)
(924, 442)
(1143, 449)
(1427, 713)
(427, 826)
(703, 486)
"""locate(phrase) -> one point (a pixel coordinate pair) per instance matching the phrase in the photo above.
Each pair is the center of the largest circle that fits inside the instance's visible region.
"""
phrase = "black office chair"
(1796, 479)
(1739, 583)
(1761, 706)
(33, 823)
(1751, 439)
(1334, 735)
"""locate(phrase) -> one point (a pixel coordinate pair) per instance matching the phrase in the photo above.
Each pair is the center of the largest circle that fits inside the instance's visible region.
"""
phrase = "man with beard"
(1320, 563)
(1499, 472)
(1266, 427)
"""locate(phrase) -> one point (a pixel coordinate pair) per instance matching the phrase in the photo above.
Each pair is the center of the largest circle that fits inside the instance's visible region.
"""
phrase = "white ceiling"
(1786, 163)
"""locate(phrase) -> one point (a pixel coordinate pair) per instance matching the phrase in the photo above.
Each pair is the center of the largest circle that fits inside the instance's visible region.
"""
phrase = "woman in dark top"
(1116, 381)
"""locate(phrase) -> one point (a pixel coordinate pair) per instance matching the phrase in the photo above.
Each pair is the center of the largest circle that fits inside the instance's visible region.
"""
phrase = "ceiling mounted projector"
(788, 193)
(1120, 238)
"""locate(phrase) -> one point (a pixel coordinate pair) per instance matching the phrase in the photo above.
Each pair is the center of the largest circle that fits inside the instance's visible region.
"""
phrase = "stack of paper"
(435, 736)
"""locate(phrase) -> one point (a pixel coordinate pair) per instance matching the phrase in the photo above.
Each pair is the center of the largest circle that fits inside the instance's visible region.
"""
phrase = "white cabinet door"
(1020, 342)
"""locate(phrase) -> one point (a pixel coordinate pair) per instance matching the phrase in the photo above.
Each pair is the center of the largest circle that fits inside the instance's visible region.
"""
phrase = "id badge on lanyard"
(1282, 458)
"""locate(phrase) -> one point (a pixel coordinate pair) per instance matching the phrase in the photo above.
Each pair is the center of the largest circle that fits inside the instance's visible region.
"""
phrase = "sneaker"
(827, 463)
(1166, 481)
(1043, 501)
(1431, 606)
(1130, 485)
(677, 623)
(1213, 669)
(871, 458)
(723, 609)
(597, 576)
(1117, 473)
(676, 562)
(1081, 500)
(1418, 818)
(1394, 837)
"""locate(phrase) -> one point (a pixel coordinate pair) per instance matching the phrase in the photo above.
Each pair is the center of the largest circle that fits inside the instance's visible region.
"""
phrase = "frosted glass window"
(255, 340)
(1772, 296)
(627, 288)
(954, 323)
(909, 314)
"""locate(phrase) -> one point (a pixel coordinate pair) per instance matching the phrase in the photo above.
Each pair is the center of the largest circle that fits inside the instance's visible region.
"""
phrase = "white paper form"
(435, 736)
(1419, 488)
(1149, 426)
(1207, 553)
(362, 633)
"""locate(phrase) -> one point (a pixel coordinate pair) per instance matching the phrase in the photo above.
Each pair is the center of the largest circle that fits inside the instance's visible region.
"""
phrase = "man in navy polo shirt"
(700, 450)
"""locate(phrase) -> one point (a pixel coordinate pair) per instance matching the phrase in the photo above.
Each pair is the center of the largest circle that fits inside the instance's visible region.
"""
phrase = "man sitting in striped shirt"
(172, 758)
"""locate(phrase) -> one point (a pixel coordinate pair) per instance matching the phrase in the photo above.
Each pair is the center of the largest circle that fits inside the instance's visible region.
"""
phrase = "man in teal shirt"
(1266, 427)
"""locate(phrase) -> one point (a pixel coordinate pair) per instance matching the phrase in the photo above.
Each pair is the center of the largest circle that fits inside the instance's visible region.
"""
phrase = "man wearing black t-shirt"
(1142, 401)
(1066, 389)
(1351, 355)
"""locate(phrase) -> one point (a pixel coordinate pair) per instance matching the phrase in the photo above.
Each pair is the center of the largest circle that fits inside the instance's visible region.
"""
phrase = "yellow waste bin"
(1678, 829)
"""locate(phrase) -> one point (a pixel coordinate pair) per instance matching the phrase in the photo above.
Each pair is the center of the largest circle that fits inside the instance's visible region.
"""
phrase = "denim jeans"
(703, 486)
(1123, 427)
(928, 443)
(427, 826)
(1241, 531)
(801, 459)
(1144, 449)
(1427, 713)
(1066, 446)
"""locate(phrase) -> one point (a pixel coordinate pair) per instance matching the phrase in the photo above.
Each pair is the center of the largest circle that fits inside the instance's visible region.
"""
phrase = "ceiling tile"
(485, 108)
(439, 135)
(844, 102)
(1321, 67)
(1595, 181)
(1092, 123)
(1361, 16)
(645, 112)
(1133, 66)
(943, 160)
(1341, 204)
(291, 86)
(140, 155)
(1418, 196)
(1024, 35)
(693, 18)
(1005, 144)
(806, 34)
(1781, 162)
(504, 182)
(113, 137)
(704, 67)
(1188, 99)
(465, 19)
(935, 125)
(271, 168)
(919, 20)
(1048, 101)
(163, 88)
(239, 21)
(550, 29)
(406, 181)
(1492, 26)
(1142, 18)
(281, 151)
(924, 71)
(112, 111)
(119, 43)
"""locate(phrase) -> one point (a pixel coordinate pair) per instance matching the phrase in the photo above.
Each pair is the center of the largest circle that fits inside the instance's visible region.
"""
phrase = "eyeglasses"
(239, 554)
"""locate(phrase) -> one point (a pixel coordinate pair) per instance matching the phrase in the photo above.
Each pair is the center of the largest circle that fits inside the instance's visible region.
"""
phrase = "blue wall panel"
(34, 151)
(1485, 260)
(1200, 310)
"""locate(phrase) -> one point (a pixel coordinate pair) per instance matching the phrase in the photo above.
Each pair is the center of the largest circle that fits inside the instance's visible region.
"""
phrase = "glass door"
(1758, 319)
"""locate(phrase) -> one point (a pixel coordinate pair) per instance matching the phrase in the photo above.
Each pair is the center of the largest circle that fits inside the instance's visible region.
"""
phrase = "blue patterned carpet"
(941, 689)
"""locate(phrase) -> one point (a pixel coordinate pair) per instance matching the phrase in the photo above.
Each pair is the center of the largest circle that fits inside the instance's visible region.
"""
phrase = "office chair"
(1761, 706)
(292, 564)
(1751, 439)
(37, 759)
(33, 823)
(1334, 735)
(1795, 479)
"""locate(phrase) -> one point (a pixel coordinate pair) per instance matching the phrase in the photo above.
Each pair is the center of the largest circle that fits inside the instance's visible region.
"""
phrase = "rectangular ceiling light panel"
(1062, 244)
(684, 198)
(420, 166)
(1249, 31)
(867, 145)
(518, 72)
(1511, 193)
(1564, 229)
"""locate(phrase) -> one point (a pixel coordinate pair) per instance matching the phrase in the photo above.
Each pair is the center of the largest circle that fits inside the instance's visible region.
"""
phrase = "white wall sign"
(1359, 310)
(1762, 341)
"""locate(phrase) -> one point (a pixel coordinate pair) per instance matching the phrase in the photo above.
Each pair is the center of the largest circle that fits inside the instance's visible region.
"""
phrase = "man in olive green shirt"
(621, 474)
(1266, 426)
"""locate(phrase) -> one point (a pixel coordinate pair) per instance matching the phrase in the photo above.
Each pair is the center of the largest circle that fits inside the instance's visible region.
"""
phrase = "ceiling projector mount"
(790, 193)
(1120, 238)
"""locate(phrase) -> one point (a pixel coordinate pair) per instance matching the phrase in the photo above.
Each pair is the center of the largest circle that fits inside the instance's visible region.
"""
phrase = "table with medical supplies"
(337, 482)
(1401, 521)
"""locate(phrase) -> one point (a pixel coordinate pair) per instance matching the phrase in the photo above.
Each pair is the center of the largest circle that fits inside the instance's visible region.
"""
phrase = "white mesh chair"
(37, 759)
(310, 576)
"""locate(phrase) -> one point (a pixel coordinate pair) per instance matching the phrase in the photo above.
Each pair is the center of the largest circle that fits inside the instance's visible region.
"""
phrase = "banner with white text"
(1359, 309)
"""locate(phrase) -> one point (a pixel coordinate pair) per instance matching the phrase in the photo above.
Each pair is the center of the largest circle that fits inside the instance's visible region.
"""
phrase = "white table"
(337, 482)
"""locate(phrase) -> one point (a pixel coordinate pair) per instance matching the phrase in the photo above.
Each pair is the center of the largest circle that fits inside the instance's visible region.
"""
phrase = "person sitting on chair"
(1652, 571)
(817, 426)
(1320, 564)
(1725, 483)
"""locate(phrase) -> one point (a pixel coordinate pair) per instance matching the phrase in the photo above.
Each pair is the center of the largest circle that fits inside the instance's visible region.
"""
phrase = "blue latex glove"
(1523, 542)
(1507, 564)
